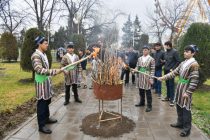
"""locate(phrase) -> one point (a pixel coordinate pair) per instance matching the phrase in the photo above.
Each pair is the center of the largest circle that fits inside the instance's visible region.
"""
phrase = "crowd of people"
(145, 69)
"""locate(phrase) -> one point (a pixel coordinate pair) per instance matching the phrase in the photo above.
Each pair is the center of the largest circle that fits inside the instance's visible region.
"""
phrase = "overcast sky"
(132, 7)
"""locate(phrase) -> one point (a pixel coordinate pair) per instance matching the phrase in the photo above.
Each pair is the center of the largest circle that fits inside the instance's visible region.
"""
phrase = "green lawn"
(13, 92)
(201, 108)
(201, 99)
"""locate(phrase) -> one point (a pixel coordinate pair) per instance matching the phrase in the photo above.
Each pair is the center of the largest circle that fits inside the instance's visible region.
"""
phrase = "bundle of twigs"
(108, 71)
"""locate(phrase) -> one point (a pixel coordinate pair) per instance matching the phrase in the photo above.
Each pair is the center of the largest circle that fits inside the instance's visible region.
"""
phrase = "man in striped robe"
(188, 80)
(43, 83)
(145, 64)
(72, 76)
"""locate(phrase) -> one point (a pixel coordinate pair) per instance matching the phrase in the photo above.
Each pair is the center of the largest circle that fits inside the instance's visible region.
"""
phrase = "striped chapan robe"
(72, 76)
(41, 66)
(188, 81)
(145, 66)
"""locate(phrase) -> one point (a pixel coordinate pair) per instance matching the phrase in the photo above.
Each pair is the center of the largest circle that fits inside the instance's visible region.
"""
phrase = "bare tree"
(11, 18)
(3, 3)
(43, 12)
(79, 10)
(156, 28)
(170, 14)
(103, 24)
(105, 19)
(111, 35)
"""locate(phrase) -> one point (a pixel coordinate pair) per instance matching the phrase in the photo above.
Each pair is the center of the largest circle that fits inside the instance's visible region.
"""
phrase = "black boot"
(76, 97)
(142, 98)
(67, 94)
(176, 125)
(148, 109)
(149, 101)
(140, 104)
(184, 133)
(78, 101)
(66, 103)
(45, 130)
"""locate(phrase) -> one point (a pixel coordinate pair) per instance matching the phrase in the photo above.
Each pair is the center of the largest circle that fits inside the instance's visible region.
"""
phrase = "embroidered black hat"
(193, 48)
(39, 39)
(70, 45)
(146, 47)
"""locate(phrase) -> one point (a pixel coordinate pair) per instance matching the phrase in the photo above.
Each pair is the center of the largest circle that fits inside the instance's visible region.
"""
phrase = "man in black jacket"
(159, 58)
(172, 60)
(132, 61)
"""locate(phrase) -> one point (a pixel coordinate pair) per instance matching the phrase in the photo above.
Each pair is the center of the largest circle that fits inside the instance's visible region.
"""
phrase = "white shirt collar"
(44, 57)
(71, 57)
(145, 58)
(187, 62)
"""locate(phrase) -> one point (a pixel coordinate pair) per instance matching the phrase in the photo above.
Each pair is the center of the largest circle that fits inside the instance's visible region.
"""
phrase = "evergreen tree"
(198, 34)
(144, 40)
(127, 38)
(79, 41)
(92, 35)
(8, 46)
(60, 37)
(28, 49)
(137, 33)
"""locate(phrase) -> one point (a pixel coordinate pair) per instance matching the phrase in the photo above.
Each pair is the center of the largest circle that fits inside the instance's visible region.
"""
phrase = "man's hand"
(162, 61)
(160, 78)
(151, 81)
(65, 71)
(185, 95)
(132, 71)
(58, 71)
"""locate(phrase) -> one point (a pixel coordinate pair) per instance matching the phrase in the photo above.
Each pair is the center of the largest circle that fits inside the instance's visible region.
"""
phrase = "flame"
(95, 52)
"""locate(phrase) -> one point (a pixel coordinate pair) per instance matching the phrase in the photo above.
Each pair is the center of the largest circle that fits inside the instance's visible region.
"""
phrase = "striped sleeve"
(137, 64)
(194, 78)
(172, 74)
(152, 68)
(64, 61)
(39, 69)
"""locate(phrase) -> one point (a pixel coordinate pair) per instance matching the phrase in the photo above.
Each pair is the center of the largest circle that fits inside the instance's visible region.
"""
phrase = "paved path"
(149, 126)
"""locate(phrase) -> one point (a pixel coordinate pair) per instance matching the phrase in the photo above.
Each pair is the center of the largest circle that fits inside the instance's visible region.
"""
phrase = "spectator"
(159, 57)
(171, 59)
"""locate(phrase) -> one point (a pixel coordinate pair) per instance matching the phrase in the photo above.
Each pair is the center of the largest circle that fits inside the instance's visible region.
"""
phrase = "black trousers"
(133, 78)
(133, 75)
(43, 111)
(67, 92)
(184, 118)
(148, 96)
(170, 86)
(126, 73)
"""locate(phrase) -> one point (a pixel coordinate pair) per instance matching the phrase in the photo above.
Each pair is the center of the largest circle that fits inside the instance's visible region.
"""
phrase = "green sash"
(143, 69)
(40, 78)
(183, 81)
